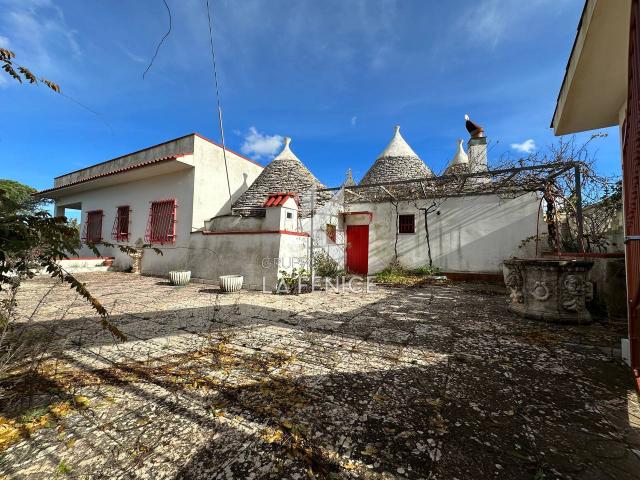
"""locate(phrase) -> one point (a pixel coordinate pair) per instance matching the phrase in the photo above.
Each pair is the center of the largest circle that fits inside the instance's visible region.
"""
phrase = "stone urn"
(179, 278)
(136, 256)
(548, 289)
(231, 283)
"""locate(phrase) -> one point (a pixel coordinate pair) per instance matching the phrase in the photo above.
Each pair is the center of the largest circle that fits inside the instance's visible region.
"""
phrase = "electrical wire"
(215, 76)
(159, 43)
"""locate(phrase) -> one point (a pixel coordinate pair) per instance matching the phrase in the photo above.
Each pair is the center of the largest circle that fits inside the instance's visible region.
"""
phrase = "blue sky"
(335, 75)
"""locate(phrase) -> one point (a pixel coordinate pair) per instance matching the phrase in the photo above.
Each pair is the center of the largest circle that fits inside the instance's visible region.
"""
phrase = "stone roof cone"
(285, 173)
(397, 162)
(349, 181)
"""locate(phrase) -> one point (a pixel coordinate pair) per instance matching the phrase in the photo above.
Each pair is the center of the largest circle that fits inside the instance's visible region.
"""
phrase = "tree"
(30, 241)
(21, 196)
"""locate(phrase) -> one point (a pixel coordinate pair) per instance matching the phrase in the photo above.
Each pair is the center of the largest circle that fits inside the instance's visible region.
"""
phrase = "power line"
(215, 76)
(161, 41)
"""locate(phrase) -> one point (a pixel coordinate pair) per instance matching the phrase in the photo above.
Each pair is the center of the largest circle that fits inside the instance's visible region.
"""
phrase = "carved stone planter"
(231, 283)
(549, 290)
(180, 278)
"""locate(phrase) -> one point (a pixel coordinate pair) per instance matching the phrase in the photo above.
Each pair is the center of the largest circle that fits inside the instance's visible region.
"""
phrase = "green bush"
(427, 270)
(325, 266)
(292, 283)
(396, 273)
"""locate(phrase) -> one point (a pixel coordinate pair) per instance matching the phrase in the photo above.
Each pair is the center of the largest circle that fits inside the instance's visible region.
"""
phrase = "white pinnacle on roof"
(398, 146)
(286, 151)
(461, 157)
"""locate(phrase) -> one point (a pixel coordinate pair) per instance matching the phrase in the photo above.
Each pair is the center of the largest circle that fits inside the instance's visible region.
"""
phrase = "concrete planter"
(231, 283)
(180, 278)
(549, 290)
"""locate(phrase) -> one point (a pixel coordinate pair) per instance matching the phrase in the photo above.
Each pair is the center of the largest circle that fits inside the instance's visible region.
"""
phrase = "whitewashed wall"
(328, 214)
(138, 196)
(471, 234)
(211, 193)
(200, 190)
(257, 256)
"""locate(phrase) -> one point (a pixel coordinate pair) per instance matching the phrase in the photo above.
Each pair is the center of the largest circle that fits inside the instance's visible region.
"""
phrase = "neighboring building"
(601, 88)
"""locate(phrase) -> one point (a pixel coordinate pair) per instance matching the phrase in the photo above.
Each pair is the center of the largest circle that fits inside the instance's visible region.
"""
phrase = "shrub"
(292, 283)
(427, 270)
(325, 266)
(397, 274)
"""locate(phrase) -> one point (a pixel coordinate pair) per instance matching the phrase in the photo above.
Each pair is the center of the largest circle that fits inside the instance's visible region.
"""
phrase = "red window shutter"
(93, 227)
(161, 227)
(120, 231)
(406, 224)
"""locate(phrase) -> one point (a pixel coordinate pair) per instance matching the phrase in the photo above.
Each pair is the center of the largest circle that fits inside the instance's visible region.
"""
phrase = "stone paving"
(434, 382)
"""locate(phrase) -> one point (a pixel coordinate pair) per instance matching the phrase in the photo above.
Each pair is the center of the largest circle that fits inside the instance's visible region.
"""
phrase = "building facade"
(175, 197)
(600, 89)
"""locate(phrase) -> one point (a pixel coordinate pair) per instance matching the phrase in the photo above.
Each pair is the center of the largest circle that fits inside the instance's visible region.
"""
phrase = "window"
(289, 214)
(120, 230)
(93, 227)
(406, 224)
(161, 227)
(331, 232)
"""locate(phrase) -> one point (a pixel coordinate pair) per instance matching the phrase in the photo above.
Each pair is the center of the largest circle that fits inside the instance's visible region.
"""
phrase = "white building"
(159, 195)
(175, 197)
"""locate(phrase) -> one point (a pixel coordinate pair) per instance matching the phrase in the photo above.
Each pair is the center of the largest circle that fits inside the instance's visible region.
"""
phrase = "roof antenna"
(215, 76)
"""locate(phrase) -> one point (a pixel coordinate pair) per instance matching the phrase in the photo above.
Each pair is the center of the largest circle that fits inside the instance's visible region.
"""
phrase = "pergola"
(508, 182)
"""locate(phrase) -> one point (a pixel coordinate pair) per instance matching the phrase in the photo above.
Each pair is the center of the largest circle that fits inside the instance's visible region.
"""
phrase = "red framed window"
(331, 232)
(93, 227)
(406, 224)
(161, 227)
(120, 231)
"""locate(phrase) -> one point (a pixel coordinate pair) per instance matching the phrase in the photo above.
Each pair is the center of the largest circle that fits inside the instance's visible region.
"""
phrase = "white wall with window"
(467, 234)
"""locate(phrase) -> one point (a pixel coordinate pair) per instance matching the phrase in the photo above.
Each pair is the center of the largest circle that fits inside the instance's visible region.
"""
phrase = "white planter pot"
(231, 283)
(180, 278)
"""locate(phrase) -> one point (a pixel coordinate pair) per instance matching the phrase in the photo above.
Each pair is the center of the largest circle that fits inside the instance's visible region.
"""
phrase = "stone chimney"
(477, 148)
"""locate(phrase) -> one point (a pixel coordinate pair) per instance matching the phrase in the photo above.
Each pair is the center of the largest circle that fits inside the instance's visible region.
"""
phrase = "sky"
(335, 75)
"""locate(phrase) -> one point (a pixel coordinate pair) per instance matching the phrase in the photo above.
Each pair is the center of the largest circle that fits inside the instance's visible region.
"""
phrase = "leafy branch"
(22, 73)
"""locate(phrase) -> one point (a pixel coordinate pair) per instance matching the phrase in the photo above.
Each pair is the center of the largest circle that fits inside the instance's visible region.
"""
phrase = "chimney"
(477, 148)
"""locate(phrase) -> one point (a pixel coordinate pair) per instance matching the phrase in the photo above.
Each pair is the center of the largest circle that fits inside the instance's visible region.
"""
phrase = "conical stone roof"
(397, 162)
(285, 173)
(349, 181)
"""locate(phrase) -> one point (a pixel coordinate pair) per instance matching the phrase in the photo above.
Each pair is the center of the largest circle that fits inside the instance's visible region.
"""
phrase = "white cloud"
(132, 55)
(258, 145)
(487, 22)
(354, 120)
(40, 35)
(528, 146)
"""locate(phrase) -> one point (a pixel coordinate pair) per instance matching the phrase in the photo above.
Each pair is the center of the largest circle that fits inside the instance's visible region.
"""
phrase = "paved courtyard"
(432, 382)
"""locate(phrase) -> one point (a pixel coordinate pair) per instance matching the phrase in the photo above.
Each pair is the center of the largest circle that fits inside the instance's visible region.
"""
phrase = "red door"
(358, 249)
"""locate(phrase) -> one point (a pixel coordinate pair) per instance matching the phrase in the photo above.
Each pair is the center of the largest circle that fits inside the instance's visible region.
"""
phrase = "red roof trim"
(279, 198)
(114, 172)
